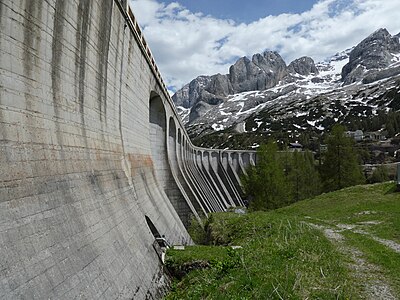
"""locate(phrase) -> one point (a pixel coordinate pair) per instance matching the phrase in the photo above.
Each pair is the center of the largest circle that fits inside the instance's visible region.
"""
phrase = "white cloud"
(187, 44)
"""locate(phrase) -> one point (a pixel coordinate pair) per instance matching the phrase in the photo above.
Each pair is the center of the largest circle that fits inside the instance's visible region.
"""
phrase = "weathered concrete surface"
(91, 145)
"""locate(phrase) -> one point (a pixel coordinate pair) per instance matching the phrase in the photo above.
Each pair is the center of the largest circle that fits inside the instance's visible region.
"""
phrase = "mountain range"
(264, 96)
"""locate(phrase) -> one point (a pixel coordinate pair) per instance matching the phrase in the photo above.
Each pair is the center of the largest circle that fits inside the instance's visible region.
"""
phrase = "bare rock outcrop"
(304, 66)
(373, 53)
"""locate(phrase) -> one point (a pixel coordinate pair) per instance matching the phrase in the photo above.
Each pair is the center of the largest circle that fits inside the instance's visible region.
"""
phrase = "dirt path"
(369, 275)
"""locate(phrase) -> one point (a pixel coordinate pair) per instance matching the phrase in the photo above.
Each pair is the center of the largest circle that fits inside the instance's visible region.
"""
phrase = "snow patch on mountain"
(305, 96)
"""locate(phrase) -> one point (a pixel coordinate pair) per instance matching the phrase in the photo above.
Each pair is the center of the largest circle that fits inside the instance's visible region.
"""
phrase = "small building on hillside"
(323, 148)
(295, 147)
(375, 136)
(357, 135)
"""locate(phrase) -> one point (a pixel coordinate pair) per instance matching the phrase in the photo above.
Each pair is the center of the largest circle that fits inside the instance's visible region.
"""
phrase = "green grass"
(380, 255)
(364, 203)
(283, 257)
(279, 259)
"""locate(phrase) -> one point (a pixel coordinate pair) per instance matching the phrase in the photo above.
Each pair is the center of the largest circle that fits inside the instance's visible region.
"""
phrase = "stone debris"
(178, 247)
(346, 226)
(240, 211)
(366, 212)
(236, 247)
(370, 223)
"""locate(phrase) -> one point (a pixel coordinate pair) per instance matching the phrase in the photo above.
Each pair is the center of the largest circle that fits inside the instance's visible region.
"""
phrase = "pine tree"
(265, 184)
(340, 166)
(303, 176)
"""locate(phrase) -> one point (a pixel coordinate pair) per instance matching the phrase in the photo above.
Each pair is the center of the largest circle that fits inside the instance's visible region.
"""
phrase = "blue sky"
(245, 10)
(189, 38)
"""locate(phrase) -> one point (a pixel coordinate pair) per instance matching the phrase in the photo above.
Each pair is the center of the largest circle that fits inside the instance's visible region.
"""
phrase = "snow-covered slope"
(308, 101)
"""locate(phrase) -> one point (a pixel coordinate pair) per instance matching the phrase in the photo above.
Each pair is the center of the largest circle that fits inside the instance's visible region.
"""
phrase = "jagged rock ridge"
(370, 56)
(263, 94)
(263, 71)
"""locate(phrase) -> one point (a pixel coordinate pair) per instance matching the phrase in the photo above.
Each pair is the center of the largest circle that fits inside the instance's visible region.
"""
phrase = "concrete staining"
(94, 159)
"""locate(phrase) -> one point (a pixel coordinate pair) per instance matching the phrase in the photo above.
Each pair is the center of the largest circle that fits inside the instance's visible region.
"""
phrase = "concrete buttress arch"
(163, 145)
(182, 198)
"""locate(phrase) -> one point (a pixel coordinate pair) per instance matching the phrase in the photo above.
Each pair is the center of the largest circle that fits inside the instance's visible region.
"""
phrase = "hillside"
(340, 245)
(263, 96)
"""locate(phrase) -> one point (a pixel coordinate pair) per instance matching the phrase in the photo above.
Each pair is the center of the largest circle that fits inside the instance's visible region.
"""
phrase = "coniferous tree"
(340, 166)
(265, 184)
(303, 176)
(312, 183)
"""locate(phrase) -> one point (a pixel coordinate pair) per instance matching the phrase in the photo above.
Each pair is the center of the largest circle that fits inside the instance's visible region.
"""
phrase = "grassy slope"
(284, 258)
(378, 202)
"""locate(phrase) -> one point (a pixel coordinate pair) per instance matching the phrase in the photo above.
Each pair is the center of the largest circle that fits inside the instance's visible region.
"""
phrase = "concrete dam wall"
(94, 160)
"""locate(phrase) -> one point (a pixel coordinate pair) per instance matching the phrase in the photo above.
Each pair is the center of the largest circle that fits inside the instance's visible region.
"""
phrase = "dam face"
(94, 161)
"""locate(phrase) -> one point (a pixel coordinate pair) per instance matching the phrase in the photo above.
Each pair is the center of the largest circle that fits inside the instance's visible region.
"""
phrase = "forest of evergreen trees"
(388, 120)
(281, 178)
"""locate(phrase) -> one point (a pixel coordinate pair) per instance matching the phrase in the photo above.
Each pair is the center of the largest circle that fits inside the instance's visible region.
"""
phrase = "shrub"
(380, 174)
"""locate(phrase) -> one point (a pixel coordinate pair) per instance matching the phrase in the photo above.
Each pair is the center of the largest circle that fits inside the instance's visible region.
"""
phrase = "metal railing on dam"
(95, 162)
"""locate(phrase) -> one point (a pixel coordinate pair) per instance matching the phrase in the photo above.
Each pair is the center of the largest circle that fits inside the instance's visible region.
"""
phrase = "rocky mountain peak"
(265, 83)
(220, 85)
(380, 40)
(243, 74)
(304, 66)
(189, 94)
(261, 72)
(271, 62)
(374, 52)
